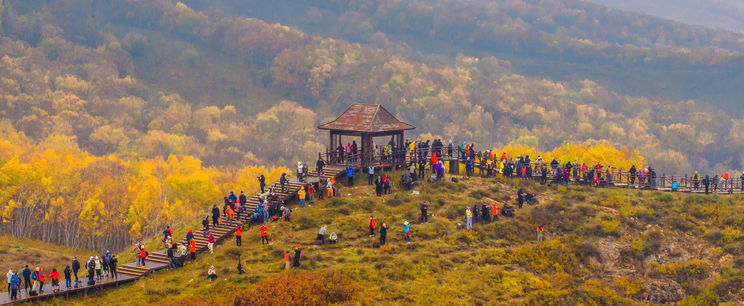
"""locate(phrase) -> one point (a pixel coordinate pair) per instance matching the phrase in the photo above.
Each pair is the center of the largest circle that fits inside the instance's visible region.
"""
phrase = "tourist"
(215, 215)
(283, 182)
(264, 234)
(333, 238)
(192, 249)
(54, 275)
(300, 171)
(212, 274)
(15, 284)
(190, 235)
(167, 232)
(540, 229)
(99, 265)
(296, 258)
(143, 255)
(407, 232)
(370, 174)
(91, 265)
(350, 175)
(372, 226)
(468, 218)
(495, 211)
(40, 279)
(75, 269)
(520, 197)
(424, 213)
(210, 242)
(205, 226)
(262, 183)
(378, 186)
(329, 187)
(112, 266)
(9, 276)
(68, 277)
(319, 166)
(238, 235)
(301, 194)
(383, 234)
(287, 212)
(385, 184)
(321, 234)
(26, 273)
(286, 260)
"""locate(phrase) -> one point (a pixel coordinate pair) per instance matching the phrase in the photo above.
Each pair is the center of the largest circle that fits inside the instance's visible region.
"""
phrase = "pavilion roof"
(366, 118)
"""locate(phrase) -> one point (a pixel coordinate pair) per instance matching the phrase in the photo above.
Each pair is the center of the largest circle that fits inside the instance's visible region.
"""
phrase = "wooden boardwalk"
(158, 260)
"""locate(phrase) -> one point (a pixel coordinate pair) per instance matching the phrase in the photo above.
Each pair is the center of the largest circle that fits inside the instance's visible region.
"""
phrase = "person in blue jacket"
(26, 278)
(15, 284)
(350, 174)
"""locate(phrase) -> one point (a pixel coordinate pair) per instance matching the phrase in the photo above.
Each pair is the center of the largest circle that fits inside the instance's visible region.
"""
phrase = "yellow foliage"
(93, 197)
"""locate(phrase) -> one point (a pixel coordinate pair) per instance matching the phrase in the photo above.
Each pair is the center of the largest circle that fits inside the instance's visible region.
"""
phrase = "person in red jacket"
(264, 234)
(495, 211)
(54, 275)
(238, 235)
(372, 225)
(41, 279)
(143, 255)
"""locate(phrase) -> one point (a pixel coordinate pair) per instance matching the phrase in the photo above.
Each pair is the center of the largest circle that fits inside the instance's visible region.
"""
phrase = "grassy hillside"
(604, 246)
(16, 253)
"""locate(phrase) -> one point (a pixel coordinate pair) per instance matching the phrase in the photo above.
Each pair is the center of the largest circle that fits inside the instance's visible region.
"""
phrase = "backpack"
(34, 275)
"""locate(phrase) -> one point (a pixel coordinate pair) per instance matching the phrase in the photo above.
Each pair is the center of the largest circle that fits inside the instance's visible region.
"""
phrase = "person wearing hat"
(212, 273)
(407, 232)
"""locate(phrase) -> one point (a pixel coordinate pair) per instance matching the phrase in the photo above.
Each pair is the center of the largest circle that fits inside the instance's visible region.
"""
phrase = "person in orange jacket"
(372, 225)
(238, 235)
(230, 214)
(495, 211)
(286, 260)
(192, 249)
(264, 233)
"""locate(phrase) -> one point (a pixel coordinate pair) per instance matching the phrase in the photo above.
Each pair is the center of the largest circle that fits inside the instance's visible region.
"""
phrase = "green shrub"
(681, 222)
(685, 272)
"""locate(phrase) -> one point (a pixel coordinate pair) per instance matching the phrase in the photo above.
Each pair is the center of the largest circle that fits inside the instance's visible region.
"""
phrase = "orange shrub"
(300, 288)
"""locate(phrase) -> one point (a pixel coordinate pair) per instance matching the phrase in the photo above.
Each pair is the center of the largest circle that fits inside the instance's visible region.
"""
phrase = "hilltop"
(603, 246)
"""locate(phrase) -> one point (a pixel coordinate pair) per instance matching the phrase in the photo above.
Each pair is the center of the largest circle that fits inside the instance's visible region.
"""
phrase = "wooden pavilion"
(366, 121)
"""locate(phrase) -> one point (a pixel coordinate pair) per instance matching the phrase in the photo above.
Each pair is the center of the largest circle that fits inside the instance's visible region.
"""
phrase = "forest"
(189, 104)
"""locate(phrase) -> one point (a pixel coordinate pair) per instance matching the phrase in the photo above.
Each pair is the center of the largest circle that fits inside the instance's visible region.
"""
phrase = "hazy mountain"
(724, 14)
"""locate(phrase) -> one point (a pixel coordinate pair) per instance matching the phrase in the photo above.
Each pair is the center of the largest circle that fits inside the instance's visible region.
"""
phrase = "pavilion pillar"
(368, 151)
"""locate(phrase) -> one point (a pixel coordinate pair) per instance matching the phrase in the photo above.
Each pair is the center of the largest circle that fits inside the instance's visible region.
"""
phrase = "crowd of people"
(31, 282)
